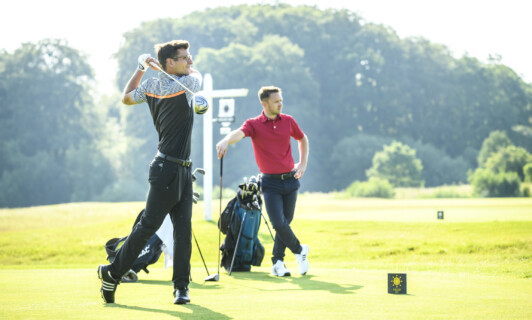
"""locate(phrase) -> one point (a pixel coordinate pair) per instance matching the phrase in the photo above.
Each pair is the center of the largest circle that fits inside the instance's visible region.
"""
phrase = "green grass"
(474, 264)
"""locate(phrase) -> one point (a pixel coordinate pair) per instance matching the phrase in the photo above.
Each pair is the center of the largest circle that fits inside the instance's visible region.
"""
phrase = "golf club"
(198, 170)
(219, 231)
(201, 255)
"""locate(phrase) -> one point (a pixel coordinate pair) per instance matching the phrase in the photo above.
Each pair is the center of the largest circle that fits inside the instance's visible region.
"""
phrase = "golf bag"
(240, 222)
(149, 255)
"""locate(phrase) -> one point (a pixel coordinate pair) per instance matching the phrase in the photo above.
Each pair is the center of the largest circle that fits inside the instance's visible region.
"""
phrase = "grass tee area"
(476, 263)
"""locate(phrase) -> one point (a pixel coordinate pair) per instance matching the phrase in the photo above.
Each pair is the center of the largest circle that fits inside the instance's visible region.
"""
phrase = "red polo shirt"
(271, 142)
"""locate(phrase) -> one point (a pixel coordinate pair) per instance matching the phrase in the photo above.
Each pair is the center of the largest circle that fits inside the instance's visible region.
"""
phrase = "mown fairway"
(474, 264)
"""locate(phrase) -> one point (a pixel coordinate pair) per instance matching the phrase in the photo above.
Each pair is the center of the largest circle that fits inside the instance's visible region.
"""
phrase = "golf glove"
(143, 65)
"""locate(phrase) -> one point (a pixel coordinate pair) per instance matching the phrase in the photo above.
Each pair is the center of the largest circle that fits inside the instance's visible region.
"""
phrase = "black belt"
(184, 163)
(282, 176)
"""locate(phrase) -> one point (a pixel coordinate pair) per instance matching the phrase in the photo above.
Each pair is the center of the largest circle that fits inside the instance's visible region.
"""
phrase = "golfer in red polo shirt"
(270, 134)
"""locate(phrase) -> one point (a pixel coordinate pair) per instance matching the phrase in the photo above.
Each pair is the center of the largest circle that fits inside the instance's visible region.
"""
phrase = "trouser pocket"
(162, 173)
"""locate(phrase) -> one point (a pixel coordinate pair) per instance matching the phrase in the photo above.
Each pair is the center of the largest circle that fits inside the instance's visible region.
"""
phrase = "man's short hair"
(169, 50)
(265, 92)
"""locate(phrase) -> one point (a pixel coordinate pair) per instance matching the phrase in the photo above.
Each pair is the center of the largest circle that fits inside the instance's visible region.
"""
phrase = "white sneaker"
(280, 270)
(302, 259)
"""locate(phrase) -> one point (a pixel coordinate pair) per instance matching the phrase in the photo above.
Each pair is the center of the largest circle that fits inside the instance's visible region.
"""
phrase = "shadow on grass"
(197, 312)
(304, 282)
(156, 282)
(192, 285)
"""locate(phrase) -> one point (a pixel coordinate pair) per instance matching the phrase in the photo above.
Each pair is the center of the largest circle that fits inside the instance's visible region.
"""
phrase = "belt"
(184, 163)
(282, 176)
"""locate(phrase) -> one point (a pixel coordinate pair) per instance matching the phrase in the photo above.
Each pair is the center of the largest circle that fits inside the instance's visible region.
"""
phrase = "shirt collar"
(164, 76)
(264, 119)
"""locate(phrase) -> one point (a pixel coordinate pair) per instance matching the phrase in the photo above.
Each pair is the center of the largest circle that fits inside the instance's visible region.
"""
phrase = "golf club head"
(212, 277)
(197, 170)
(256, 205)
(200, 171)
(201, 104)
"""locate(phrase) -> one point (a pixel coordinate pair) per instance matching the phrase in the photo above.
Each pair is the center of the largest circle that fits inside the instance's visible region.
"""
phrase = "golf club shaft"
(166, 73)
(219, 231)
(237, 242)
(204, 264)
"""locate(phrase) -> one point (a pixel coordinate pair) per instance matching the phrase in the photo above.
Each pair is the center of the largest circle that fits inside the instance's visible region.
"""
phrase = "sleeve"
(295, 130)
(139, 94)
(247, 128)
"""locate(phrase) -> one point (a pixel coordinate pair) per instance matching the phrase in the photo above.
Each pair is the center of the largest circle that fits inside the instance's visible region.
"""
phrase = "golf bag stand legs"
(237, 241)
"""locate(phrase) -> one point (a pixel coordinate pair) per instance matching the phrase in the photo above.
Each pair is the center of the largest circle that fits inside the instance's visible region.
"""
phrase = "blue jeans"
(280, 198)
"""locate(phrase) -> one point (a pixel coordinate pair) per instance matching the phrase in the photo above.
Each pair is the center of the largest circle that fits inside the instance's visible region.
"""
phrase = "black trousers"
(170, 192)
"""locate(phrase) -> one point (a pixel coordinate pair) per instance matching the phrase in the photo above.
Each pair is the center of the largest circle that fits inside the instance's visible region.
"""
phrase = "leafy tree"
(398, 164)
(497, 140)
(487, 183)
(509, 159)
(361, 78)
(438, 167)
(527, 170)
(353, 155)
(44, 125)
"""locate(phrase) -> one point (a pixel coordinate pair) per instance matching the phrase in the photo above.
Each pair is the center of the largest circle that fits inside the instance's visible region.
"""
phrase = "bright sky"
(476, 27)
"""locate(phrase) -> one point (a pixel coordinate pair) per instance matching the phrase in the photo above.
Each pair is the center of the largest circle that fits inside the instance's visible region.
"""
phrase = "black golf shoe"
(108, 284)
(181, 296)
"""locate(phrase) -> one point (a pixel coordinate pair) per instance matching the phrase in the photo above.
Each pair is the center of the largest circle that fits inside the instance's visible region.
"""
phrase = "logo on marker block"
(397, 283)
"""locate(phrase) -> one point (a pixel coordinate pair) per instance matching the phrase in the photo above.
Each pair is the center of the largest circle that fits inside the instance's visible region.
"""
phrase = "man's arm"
(303, 158)
(133, 83)
(232, 137)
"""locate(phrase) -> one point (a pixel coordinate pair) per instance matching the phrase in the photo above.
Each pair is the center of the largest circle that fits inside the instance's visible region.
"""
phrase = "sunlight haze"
(476, 28)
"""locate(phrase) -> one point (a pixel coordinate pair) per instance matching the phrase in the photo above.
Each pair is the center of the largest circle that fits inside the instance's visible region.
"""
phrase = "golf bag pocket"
(259, 254)
(225, 218)
(149, 254)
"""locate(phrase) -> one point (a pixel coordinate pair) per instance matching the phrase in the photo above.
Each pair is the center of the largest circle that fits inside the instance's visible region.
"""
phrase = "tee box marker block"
(397, 283)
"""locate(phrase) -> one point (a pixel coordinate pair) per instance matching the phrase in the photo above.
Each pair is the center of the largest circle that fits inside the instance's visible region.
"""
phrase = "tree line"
(353, 86)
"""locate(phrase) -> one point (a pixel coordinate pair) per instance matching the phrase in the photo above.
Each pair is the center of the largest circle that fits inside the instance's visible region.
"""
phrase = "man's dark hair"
(169, 50)
(265, 92)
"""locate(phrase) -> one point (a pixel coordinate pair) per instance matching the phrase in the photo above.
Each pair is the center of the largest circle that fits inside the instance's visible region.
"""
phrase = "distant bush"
(487, 183)
(446, 192)
(375, 188)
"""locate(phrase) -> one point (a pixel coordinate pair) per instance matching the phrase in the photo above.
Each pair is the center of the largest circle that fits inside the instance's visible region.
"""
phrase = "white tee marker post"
(210, 94)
